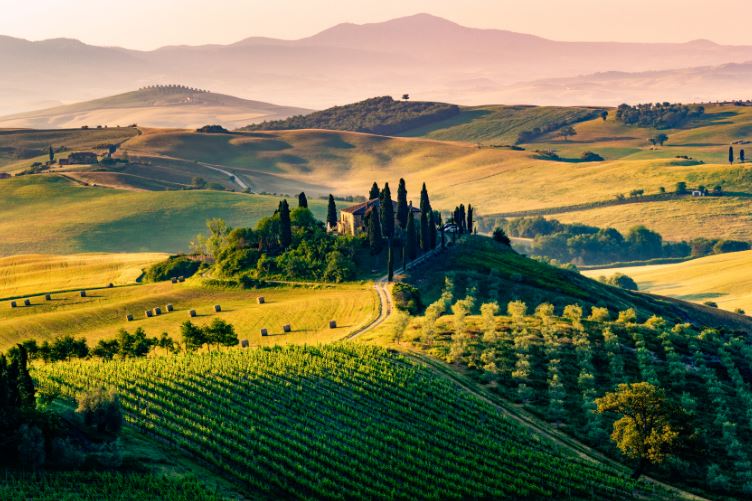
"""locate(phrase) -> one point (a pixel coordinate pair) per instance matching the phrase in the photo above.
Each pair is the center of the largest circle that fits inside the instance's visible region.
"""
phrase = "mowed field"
(52, 214)
(725, 279)
(40, 273)
(103, 312)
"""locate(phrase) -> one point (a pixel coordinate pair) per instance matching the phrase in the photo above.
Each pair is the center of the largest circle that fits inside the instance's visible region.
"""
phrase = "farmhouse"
(81, 157)
(352, 220)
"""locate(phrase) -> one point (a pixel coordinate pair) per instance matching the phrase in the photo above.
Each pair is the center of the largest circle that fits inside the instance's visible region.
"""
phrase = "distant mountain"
(171, 106)
(431, 58)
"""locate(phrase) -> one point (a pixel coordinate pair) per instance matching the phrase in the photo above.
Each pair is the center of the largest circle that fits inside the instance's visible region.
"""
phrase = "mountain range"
(429, 57)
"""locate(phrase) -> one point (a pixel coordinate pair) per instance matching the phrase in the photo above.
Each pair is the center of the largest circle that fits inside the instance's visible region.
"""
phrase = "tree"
(741, 155)
(411, 242)
(220, 333)
(101, 410)
(681, 188)
(390, 263)
(731, 154)
(387, 212)
(500, 236)
(659, 139)
(302, 200)
(567, 132)
(375, 238)
(374, 193)
(52, 155)
(193, 336)
(604, 115)
(425, 235)
(432, 234)
(469, 218)
(425, 202)
(331, 213)
(285, 226)
(402, 207)
(643, 432)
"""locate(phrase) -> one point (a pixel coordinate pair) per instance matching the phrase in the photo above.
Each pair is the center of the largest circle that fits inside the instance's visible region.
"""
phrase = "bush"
(407, 298)
(173, 266)
(101, 410)
(620, 280)
(590, 156)
(501, 237)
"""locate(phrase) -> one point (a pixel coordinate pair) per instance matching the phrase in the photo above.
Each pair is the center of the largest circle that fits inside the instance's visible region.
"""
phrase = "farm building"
(352, 220)
(82, 157)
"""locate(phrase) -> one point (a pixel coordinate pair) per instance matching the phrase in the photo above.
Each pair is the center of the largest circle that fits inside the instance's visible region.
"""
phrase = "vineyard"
(95, 486)
(556, 366)
(338, 421)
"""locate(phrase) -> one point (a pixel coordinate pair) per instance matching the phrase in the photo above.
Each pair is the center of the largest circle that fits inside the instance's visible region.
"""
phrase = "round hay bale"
(264, 332)
(332, 324)
(287, 328)
(169, 307)
(13, 304)
(260, 300)
(129, 318)
(157, 311)
(217, 308)
(174, 280)
(191, 313)
(244, 343)
(110, 285)
(48, 297)
(181, 279)
(148, 313)
(27, 302)
(82, 293)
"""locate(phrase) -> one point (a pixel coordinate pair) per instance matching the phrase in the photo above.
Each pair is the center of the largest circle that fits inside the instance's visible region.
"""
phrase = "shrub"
(173, 266)
(501, 237)
(599, 314)
(628, 316)
(101, 410)
(620, 280)
(517, 309)
(591, 156)
(712, 304)
(407, 298)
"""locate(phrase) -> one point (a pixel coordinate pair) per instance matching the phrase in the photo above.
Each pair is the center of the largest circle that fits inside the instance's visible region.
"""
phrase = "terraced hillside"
(339, 420)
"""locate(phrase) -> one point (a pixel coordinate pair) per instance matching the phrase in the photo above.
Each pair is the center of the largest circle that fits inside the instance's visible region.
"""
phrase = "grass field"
(50, 214)
(38, 273)
(103, 312)
(725, 279)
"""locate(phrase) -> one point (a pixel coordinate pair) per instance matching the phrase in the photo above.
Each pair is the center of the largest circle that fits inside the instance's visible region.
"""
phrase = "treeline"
(659, 115)
(34, 436)
(589, 245)
(378, 115)
(529, 135)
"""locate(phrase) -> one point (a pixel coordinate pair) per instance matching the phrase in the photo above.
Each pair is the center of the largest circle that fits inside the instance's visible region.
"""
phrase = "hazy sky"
(147, 24)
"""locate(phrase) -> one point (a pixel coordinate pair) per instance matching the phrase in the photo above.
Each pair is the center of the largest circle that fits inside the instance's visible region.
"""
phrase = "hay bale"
(147, 313)
(244, 343)
(27, 302)
(264, 332)
(287, 328)
(48, 297)
(181, 279)
(174, 280)
(82, 293)
(169, 307)
(260, 300)
(13, 304)
(332, 324)
(157, 311)
(129, 318)
(217, 308)
(110, 285)
(191, 313)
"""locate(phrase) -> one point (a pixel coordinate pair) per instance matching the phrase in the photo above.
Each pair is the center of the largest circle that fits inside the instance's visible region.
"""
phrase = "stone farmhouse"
(353, 220)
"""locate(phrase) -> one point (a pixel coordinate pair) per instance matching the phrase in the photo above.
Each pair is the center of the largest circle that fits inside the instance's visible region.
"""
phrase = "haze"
(146, 24)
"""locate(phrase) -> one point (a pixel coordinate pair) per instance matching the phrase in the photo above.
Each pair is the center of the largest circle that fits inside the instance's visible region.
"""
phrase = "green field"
(725, 279)
(50, 214)
(340, 420)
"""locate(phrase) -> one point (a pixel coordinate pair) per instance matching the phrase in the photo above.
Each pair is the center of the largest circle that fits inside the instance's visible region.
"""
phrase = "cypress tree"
(404, 254)
(469, 218)
(462, 219)
(21, 385)
(375, 192)
(52, 155)
(432, 229)
(387, 212)
(425, 203)
(402, 208)
(411, 242)
(302, 200)
(331, 213)
(441, 229)
(731, 154)
(375, 238)
(390, 263)
(285, 226)
(425, 233)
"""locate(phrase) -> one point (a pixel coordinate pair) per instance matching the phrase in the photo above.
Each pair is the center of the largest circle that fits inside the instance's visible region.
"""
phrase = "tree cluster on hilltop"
(659, 115)
(378, 115)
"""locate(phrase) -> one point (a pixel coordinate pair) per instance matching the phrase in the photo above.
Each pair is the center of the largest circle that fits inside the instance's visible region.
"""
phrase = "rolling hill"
(169, 106)
(431, 58)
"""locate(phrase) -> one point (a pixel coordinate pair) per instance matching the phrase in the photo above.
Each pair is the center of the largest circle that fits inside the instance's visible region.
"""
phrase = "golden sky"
(148, 24)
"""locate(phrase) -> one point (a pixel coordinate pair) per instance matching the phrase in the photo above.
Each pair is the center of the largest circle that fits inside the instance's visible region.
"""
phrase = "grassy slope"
(102, 313)
(725, 279)
(301, 424)
(37, 273)
(53, 215)
(503, 275)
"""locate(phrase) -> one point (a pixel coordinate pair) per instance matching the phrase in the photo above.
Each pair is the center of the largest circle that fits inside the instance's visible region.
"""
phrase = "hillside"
(168, 106)
(339, 420)
(97, 219)
(723, 279)
(378, 115)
